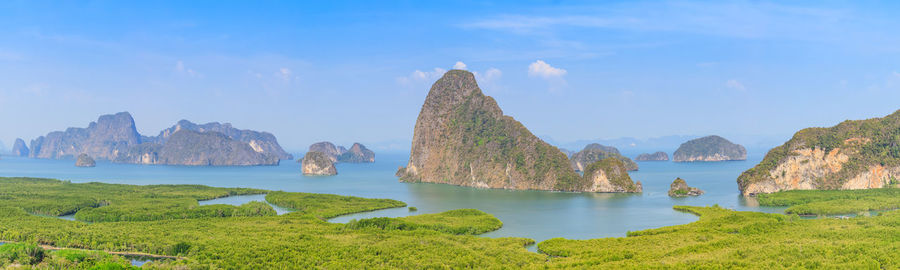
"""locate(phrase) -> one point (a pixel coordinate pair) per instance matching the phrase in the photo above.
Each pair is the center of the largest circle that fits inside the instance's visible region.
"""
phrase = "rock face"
(857, 154)
(85, 161)
(115, 138)
(679, 188)
(192, 148)
(357, 153)
(596, 152)
(329, 149)
(19, 149)
(461, 137)
(658, 156)
(610, 175)
(709, 148)
(317, 163)
(104, 139)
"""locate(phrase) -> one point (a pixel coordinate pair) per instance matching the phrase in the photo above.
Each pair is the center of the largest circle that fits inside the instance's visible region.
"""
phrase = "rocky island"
(461, 137)
(858, 154)
(19, 149)
(317, 163)
(357, 153)
(85, 161)
(610, 175)
(658, 156)
(679, 188)
(115, 138)
(596, 152)
(709, 148)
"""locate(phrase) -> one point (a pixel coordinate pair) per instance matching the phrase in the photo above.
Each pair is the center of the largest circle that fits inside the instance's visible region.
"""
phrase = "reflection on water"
(538, 215)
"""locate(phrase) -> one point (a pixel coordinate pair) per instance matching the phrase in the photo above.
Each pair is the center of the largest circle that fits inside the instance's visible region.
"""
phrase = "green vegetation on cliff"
(595, 152)
(867, 143)
(615, 172)
(461, 137)
(709, 148)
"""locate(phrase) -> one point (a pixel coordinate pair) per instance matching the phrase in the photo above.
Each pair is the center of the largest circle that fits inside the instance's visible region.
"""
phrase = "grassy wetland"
(164, 220)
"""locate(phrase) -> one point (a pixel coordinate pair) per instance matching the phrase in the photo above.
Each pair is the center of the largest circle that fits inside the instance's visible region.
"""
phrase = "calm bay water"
(538, 215)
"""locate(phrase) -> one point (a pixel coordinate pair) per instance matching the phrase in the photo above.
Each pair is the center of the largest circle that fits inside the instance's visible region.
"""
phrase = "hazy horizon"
(347, 72)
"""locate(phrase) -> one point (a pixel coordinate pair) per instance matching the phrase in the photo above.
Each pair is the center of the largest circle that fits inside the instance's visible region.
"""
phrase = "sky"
(347, 71)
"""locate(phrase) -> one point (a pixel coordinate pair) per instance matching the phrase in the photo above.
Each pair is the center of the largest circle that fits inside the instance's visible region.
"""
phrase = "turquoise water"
(538, 215)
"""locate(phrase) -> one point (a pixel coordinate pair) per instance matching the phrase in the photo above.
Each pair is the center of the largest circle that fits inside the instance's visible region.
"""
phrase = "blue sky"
(350, 71)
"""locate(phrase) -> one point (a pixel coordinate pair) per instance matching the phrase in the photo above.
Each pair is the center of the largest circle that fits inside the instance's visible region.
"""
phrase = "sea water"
(538, 215)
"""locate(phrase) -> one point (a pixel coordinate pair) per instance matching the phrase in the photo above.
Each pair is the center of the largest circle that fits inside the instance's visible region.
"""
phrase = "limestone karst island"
(449, 135)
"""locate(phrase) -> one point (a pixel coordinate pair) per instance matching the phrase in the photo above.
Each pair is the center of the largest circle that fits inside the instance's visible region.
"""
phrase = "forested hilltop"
(165, 221)
(855, 154)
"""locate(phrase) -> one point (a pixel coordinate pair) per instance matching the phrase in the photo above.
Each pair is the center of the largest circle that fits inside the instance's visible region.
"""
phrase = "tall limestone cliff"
(858, 154)
(104, 139)
(193, 148)
(461, 137)
(596, 152)
(19, 149)
(709, 148)
(115, 138)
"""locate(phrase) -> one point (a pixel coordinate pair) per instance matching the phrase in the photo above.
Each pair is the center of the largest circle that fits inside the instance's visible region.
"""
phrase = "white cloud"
(735, 84)
(180, 68)
(284, 74)
(418, 77)
(490, 75)
(459, 65)
(541, 69)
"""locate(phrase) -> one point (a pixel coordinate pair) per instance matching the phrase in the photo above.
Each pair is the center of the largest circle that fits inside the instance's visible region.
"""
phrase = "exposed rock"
(192, 148)
(329, 149)
(19, 149)
(461, 137)
(709, 148)
(317, 163)
(610, 175)
(358, 153)
(859, 154)
(85, 161)
(103, 139)
(658, 156)
(115, 138)
(262, 142)
(595, 152)
(568, 152)
(679, 188)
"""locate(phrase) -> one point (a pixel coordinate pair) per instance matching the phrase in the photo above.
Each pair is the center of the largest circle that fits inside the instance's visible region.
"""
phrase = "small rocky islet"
(84, 160)
(317, 163)
(680, 188)
(358, 153)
